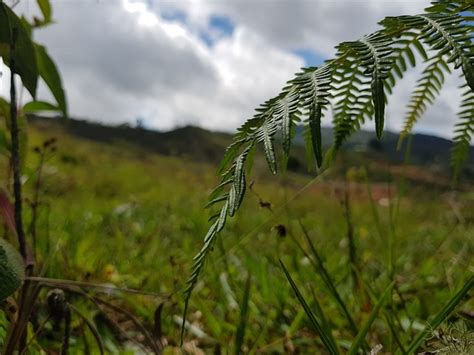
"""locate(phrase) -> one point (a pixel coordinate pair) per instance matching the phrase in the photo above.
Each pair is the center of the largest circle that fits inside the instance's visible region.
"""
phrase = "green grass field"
(114, 214)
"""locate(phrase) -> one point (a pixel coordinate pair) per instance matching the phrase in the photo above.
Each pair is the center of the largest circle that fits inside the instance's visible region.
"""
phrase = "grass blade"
(359, 340)
(244, 308)
(388, 316)
(91, 327)
(326, 336)
(319, 266)
(441, 316)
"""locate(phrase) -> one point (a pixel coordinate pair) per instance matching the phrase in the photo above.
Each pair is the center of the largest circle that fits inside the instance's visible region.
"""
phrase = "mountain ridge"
(203, 145)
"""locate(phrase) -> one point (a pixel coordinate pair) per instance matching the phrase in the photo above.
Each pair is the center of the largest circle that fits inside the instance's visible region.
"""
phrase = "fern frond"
(449, 6)
(427, 88)
(463, 133)
(286, 111)
(445, 34)
(373, 53)
(314, 87)
(353, 105)
(403, 57)
(277, 115)
(355, 82)
(403, 51)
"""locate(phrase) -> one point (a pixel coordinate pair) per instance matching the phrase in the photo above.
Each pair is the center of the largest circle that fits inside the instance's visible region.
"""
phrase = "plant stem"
(15, 151)
(67, 331)
(18, 335)
(350, 237)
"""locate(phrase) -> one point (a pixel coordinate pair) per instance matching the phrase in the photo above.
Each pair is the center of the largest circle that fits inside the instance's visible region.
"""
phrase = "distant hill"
(189, 142)
(202, 145)
(425, 149)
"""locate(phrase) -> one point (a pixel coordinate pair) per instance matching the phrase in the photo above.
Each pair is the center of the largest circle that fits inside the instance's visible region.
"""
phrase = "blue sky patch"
(218, 27)
(310, 57)
(223, 24)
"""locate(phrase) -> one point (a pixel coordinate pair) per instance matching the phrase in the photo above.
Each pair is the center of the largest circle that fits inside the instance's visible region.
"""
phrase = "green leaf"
(27, 26)
(326, 337)
(269, 151)
(5, 28)
(421, 50)
(11, 270)
(39, 106)
(229, 155)
(50, 74)
(45, 8)
(410, 56)
(463, 133)
(198, 264)
(359, 340)
(468, 70)
(25, 57)
(239, 184)
(427, 88)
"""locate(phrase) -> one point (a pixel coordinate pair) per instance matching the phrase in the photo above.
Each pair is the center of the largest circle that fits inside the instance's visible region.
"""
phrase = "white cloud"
(294, 24)
(116, 70)
(123, 60)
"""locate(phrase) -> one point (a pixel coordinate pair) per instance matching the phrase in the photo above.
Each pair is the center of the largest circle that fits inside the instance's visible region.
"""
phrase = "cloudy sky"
(208, 63)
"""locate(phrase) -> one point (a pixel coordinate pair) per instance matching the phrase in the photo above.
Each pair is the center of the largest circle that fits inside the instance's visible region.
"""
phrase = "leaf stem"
(15, 154)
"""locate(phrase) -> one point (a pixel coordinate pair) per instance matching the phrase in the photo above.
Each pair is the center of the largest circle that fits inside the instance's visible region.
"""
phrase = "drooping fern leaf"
(404, 49)
(355, 82)
(286, 111)
(373, 54)
(447, 35)
(353, 105)
(442, 32)
(428, 87)
(450, 6)
(379, 65)
(314, 86)
(464, 132)
(276, 115)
